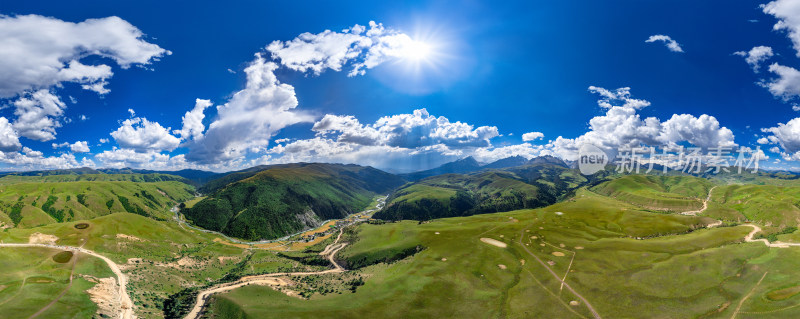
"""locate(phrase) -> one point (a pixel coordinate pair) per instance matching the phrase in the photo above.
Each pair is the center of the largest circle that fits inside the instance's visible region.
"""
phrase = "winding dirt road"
(777, 244)
(125, 300)
(705, 205)
(749, 237)
(202, 297)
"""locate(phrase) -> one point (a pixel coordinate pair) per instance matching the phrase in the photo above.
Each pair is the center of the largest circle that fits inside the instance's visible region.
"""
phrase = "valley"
(536, 240)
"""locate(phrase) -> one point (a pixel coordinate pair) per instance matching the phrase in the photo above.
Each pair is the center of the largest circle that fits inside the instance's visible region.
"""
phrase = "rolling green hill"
(660, 193)
(483, 192)
(288, 198)
(768, 205)
(28, 201)
(592, 242)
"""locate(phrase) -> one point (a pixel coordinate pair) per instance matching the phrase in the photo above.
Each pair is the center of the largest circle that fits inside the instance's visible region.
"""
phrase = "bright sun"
(417, 50)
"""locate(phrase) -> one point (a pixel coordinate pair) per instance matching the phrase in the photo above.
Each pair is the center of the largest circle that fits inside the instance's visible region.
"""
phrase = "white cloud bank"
(38, 56)
(41, 52)
(622, 126)
(365, 47)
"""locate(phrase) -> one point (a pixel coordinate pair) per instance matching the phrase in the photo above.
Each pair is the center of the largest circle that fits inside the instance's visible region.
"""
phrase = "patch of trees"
(268, 208)
(388, 256)
(151, 200)
(355, 283)
(16, 213)
(774, 236)
(310, 259)
(130, 207)
(47, 207)
(179, 304)
(82, 199)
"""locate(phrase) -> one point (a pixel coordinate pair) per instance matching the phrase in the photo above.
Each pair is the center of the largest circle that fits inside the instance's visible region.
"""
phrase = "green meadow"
(31, 201)
(625, 260)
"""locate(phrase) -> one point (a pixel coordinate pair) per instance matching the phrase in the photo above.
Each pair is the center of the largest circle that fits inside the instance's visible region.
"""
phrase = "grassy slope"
(768, 205)
(673, 276)
(660, 193)
(160, 245)
(31, 278)
(28, 201)
(483, 192)
(267, 205)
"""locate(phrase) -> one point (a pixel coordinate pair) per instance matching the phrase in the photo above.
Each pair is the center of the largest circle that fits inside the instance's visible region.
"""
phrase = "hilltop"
(288, 198)
(486, 191)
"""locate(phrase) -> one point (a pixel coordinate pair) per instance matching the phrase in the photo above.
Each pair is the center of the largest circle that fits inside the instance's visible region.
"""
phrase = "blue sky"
(513, 67)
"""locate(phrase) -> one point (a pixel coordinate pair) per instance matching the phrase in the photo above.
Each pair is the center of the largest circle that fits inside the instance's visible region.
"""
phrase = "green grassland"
(30, 201)
(775, 207)
(660, 193)
(489, 191)
(31, 278)
(616, 242)
(137, 178)
(678, 269)
(160, 257)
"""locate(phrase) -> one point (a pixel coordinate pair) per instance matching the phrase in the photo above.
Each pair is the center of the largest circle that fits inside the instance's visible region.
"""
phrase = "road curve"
(125, 300)
(777, 244)
(705, 204)
(202, 297)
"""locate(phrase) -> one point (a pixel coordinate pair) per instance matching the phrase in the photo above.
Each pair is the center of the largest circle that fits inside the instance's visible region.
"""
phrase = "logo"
(591, 159)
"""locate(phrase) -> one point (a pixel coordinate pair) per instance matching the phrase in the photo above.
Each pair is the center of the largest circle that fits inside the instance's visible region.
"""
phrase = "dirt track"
(127, 305)
(705, 204)
(202, 297)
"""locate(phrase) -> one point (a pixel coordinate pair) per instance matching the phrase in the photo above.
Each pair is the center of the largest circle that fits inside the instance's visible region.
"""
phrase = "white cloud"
(30, 152)
(787, 85)
(142, 136)
(532, 136)
(703, 131)
(33, 160)
(786, 135)
(245, 124)
(193, 121)
(320, 149)
(402, 142)
(620, 97)
(406, 130)
(77, 147)
(788, 14)
(250, 118)
(621, 126)
(37, 115)
(119, 158)
(671, 44)
(332, 50)
(755, 56)
(9, 140)
(41, 52)
(488, 155)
